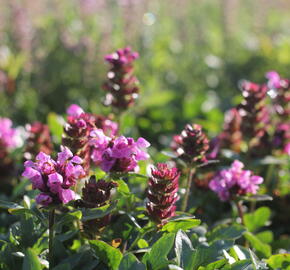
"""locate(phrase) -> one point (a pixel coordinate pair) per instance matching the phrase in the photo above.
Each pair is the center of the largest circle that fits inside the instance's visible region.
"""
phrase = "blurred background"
(192, 55)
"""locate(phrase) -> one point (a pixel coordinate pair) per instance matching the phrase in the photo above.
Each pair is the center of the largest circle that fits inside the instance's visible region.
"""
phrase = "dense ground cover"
(163, 159)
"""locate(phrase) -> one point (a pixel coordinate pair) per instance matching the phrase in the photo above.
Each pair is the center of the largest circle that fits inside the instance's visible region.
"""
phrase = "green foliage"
(107, 254)
(31, 261)
(254, 221)
(156, 258)
(180, 224)
(279, 261)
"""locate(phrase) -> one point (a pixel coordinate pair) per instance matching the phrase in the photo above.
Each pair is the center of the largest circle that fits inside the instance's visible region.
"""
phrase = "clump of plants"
(104, 202)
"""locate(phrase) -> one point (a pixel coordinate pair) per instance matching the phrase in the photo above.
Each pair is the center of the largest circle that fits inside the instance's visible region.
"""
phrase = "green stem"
(187, 191)
(51, 220)
(239, 205)
(140, 235)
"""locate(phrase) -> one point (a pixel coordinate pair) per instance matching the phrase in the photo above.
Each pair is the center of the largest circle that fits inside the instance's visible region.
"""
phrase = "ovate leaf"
(184, 250)
(130, 262)
(257, 219)
(258, 245)
(157, 257)
(31, 261)
(109, 255)
(186, 224)
(226, 232)
(279, 261)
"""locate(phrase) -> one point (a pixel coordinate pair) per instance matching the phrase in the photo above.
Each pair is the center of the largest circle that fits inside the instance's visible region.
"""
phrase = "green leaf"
(216, 265)
(279, 261)
(256, 262)
(31, 261)
(123, 187)
(207, 254)
(258, 245)
(93, 213)
(183, 250)
(226, 232)
(109, 255)
(240, 265)
(186, 224)
(63, 266)
(265, 236)
(255, 220)
(9, 205)
(142, 243)
(130, 262)
(157, 257)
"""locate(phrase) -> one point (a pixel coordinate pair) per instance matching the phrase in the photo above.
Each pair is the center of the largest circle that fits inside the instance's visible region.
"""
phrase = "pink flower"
(74, 110)
(274, 79)
(8, 135)
(119, 154)
(54, 178)
(43, 199)
(235, 181)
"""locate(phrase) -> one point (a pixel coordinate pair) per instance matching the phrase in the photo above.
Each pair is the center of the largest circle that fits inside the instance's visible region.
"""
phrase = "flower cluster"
(77, 132)
(121, 85)
(254, 113)
(162, 193)
(54, 178)
(279, 90)
(96, 194)
(191, 145)
(39, 140)
(118, 154)
(235, 181)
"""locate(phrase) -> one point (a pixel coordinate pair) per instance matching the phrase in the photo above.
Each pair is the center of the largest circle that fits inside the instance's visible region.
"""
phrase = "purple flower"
(274, 79)
(77, 133)
(235, 181)
(74, 110)
(119, 154)
(54, 178)
(43, 199)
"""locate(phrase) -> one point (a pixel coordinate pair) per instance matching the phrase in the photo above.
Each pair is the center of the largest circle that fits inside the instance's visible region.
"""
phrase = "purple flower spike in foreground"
(235, 181)
(162, 193)
(118, 154)
(54, 178)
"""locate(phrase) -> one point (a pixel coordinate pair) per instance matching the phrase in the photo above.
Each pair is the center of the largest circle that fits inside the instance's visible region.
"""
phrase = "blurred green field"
(192, 55)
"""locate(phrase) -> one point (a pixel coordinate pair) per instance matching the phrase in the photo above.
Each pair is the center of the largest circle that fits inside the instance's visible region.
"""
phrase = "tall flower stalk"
(162, 193)
(121, 85)
(191, 147)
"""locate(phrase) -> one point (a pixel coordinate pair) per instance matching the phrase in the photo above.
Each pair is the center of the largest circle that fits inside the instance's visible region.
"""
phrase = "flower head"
(54, 178)
(191, 145)
(162, 193)
(234, 181)
(121, 84)
(78, 128)
(96, 194)
(120, 154)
